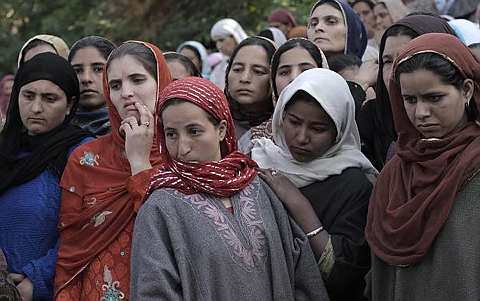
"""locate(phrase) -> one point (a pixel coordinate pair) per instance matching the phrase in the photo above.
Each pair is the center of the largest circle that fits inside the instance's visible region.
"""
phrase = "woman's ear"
(222, 130)
(468, 89)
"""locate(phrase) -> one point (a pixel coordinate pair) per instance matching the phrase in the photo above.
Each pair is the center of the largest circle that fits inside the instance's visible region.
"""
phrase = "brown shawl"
(415, 192)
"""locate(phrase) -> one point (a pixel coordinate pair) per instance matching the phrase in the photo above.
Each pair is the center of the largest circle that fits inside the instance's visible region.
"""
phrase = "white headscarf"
(203, 56)
(227, 27)
(278, 36)
(332, 93)
(468, 32)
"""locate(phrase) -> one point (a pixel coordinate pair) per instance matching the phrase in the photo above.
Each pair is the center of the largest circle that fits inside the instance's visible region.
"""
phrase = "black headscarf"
(419, 24)
(23, 157)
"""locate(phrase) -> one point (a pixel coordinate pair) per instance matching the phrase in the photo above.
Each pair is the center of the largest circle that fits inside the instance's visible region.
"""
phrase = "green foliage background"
(166, 23)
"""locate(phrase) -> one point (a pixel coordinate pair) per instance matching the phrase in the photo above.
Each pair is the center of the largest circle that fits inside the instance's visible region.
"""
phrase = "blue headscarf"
(356, 39)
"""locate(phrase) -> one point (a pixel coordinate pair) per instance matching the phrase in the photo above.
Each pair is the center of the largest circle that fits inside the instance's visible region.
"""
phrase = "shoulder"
(352, 180)
(90, 147)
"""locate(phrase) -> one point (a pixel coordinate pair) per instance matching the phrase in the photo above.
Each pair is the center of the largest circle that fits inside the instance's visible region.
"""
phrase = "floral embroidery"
(89, 159)
(110, 288)
(251, 222)
(99, 218)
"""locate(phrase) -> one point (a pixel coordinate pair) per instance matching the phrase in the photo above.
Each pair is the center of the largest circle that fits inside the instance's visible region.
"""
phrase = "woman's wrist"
(138, 167)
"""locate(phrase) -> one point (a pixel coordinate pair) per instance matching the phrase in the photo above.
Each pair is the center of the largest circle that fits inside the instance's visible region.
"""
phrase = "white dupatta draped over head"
(332, 93)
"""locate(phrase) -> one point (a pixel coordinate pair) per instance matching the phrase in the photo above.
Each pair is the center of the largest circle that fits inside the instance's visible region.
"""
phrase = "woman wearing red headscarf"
(211, 229)
(99, 195)
(424, 211)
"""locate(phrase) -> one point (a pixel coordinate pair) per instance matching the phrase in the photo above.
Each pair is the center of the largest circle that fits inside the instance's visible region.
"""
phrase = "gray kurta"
(451, 268)
(190, 247)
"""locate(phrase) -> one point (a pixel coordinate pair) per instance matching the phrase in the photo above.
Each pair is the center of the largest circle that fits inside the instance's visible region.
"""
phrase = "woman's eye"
(260, 72)
(195, 132)
(305, 68)
(50, 98)
(435, 98)
(114, 86)
(98, 69)
(283, 72)
(139, 80)
(331, 21)
(410, 100)
(170, 135)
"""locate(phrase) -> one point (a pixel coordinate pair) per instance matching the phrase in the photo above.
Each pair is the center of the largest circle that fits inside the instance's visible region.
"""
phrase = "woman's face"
(226, 45)
(393, 45)
(43, 106)
(131, 83)
(384, 20)
(89, 63)
(327, 29)
(435, 109)
(177, 70)
(309, 131)
(291, 64)
(248, 79)
(192, 56)
(367, 16)
(190, 135)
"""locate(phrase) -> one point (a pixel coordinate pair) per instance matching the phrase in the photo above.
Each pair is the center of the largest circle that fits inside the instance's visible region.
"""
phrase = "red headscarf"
(416, 190)
(97, 181)
(223, 178)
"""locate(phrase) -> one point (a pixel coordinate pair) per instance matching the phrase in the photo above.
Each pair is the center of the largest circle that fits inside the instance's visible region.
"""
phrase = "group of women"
(127, 175)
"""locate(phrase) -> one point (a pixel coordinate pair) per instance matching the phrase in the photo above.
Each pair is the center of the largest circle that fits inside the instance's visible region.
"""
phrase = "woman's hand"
(138, 139)
(23, 284)
(282, 186)
(298, 206)
(367, 75)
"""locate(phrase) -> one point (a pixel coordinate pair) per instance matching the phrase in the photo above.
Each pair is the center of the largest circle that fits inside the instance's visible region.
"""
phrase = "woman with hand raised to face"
(425, 202)
(212, 229)
(100, 196)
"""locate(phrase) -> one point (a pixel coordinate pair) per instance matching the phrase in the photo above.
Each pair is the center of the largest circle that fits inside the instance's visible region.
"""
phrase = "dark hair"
(304, 96)
(104, 46)
(400, 30)
(196, 52)
(185, 61)
(141, 52)
(177, 101)
(474, 46)
(34, 43)
(266, 33)
(367, 2)
(435, 63)
(340, 62)
(311, 48)
(267, 45)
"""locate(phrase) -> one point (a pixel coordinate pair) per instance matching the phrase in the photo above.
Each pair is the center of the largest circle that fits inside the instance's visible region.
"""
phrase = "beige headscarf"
(396, 9)
(57, 43)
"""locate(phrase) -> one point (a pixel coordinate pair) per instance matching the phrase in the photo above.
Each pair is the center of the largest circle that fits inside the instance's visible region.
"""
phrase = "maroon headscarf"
(416, 190)
(223, 178)
(283, 16)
